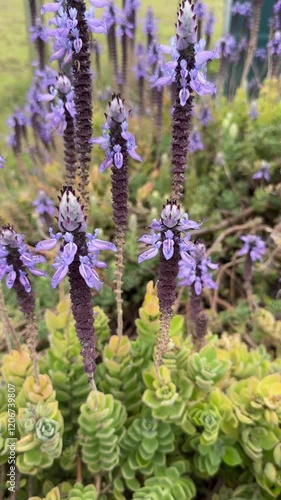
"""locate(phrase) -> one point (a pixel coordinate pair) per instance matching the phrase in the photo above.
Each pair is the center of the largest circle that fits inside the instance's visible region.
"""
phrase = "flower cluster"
(71, 222)
(66, 34)
(140, 68)
(150, 24)
(195, 142)
(39, 31)
(263, 172)
(63, 95)
(226, 47)
(200, 10)
(209, 25)
(200, 275)
(253, 246)
(16, 259)
(171, 222)
(205, 116)
(195, 78)
(116, 115)
(2, 161)
(274, 45)
(44, 205)
(242, 9)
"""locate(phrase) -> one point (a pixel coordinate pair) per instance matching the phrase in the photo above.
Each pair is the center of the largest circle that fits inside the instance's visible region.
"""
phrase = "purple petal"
(146, 238)
(198, 286)
(184, 95)
(149, 254)
(3, 270)
(118, 160)
(69, 252)
(46, 244)
(37, 272)
(50, 7)
(105, 164)
(11, 278)
(99, 3)
(25, 282)
(90, 276)
(95, 244)
(168, 248)
(135, 155)
(59, 275)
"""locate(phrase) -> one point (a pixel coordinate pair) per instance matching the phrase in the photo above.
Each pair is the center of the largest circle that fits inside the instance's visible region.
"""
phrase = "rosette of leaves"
(101, 428)
(267, 329)
(41, 428)
(64, 365)
(33, 392)
(242, 492)
(205, 369)
(162, 395)
(257, 401)
(16, 366)
(170, 485)
(54, 494)
(80, 492)
(268, 472)
(244, 362)
(144, 447)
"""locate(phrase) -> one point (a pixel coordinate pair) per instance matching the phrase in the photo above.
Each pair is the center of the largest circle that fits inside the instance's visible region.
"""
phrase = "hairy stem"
(120, 239)
(257, 6)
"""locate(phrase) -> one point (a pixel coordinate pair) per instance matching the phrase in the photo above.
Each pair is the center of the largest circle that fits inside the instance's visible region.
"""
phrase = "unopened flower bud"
(63, 84)
(186, 25)
(71, 217)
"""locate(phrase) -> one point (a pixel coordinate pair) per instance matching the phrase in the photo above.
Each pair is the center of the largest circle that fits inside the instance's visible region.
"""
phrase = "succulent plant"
(101, 427)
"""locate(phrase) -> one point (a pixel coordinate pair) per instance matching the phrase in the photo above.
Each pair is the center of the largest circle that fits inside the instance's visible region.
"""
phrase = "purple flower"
(16, 259)
(226, 47)
(197, 76)
(150, 23)
(209, 25)
(72, 223)
(253, 113)
(274, 45)
(242, 9)
(195, 142)
(116, 114)
(39, 31)
(200, 10)
(170, 225)
(261, 53)
(44, 205)
(199, 275)
(263, 172)
(2, 161)
(205, 116)
(140, 68)
(253, 246)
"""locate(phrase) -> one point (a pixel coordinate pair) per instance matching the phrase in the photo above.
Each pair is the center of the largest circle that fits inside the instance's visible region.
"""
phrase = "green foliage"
(40, 425)
(101, 427)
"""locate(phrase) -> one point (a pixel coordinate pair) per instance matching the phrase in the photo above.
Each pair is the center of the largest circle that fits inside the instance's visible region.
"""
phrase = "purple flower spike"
(253, 246)
(171, 224)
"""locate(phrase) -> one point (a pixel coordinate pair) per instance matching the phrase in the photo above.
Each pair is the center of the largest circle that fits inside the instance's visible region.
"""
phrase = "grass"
(16, 55)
